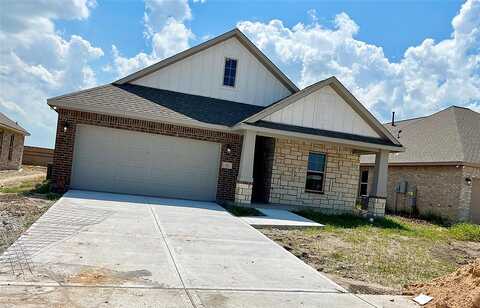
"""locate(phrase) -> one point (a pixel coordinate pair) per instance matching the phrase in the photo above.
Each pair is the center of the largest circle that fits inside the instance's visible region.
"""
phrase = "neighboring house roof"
(343, 92)
(221, 38)
(10, 124)
(130, 100)
(450, 136)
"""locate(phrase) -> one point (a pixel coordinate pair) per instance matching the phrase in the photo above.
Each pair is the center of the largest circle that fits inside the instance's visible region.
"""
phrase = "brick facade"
(64, 145)
(440, 190)
(15, 161)
(290, 169)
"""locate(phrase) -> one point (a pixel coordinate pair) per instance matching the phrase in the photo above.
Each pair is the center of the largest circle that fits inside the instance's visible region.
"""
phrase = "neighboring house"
(220, 122)
(12, 137)
(439, 173)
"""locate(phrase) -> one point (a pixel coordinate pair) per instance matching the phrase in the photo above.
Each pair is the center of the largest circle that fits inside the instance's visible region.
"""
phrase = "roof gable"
(326, 105)
(7, 123)
(186, 72)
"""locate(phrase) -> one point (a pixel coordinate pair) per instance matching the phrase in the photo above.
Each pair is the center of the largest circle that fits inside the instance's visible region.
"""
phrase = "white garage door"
(123, 161)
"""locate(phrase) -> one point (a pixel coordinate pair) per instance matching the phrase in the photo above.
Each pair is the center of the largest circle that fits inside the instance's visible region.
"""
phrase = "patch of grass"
(465, 232)
(28, 188)
(21, 188)
(347, 221)
(395, 225)
(391, 252)
(240, 211)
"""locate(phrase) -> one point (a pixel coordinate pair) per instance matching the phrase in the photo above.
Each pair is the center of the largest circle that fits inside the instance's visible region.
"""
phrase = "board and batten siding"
(323, 109)
(202, 74)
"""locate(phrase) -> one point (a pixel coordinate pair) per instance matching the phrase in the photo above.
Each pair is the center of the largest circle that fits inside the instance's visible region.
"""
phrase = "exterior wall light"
(228, 149)
(468, 181)
(65, 126)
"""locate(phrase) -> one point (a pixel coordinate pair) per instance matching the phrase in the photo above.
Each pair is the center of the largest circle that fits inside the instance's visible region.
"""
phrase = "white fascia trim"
(6, 127)
(355, 144)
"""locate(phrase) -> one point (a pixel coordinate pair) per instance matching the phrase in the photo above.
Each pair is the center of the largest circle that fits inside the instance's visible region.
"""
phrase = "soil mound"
(459, 289)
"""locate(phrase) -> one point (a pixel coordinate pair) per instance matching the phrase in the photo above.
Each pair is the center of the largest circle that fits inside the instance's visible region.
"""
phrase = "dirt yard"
(9, 178)
(24, 196)
(383, 257)
(460, 289)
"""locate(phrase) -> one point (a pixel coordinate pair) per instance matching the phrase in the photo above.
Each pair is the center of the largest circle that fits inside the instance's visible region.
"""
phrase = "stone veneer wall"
(290, 170)
(243, 192)
(441, 190)
(17, 151)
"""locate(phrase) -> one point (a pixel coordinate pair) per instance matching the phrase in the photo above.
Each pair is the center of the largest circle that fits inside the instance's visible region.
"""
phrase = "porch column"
(243, 189)
(378, 195)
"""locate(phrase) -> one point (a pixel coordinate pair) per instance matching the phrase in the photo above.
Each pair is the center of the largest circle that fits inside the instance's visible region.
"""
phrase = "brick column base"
(376, 206)
(243, 192)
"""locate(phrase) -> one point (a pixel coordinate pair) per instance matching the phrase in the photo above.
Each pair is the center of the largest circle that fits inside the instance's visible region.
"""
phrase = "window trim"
(363, 183)
(223, 74)
(10, 148)
(2, 135)
(313, 191)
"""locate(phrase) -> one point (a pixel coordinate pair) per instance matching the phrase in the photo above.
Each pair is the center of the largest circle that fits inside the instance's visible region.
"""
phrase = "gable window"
(10, 149)
(315, 172)
(230, 72)
(364, 183)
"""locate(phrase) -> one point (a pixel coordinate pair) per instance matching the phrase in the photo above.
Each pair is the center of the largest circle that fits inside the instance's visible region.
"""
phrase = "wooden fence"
(37, 156)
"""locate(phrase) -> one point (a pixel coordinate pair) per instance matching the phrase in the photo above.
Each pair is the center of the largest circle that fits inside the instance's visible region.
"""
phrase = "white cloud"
(37, 62)
(430, 76)
(166, 31)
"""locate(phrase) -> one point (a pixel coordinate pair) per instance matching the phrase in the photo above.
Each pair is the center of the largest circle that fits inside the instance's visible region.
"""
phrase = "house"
(439, 173)
(220, 122)
(12, 137)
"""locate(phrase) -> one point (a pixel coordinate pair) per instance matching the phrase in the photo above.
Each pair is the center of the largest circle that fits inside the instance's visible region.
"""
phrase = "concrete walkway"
(109, 250)
(282, 218)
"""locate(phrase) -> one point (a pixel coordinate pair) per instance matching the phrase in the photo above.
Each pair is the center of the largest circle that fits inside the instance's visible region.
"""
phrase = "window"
(364, 183)
(315, 172)
(10, 149)
(1, 143)
(230, 72)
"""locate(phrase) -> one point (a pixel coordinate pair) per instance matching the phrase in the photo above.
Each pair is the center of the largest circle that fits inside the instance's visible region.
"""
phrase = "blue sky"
(412, 57)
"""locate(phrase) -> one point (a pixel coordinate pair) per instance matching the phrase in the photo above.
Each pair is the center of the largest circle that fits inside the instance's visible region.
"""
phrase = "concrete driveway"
(110, 250)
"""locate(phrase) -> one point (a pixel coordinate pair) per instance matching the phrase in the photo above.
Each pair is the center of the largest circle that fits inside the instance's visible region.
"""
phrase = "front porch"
(274, 169)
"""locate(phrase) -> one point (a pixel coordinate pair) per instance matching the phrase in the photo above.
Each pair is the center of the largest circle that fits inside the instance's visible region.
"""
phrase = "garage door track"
(100, 249)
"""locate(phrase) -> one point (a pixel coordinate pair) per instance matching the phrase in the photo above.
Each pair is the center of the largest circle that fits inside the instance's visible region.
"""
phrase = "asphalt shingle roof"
(129, 100)
(450, 135)
(322, 132)
(7, 122)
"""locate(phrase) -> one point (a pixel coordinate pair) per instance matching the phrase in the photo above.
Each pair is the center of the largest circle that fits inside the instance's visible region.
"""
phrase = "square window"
(315, 172)
(230, 72)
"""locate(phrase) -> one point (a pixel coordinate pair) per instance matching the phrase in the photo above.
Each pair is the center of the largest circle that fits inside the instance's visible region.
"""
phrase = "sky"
(411, 57)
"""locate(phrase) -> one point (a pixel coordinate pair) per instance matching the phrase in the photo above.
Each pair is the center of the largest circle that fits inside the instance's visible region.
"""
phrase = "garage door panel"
(123, 161)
